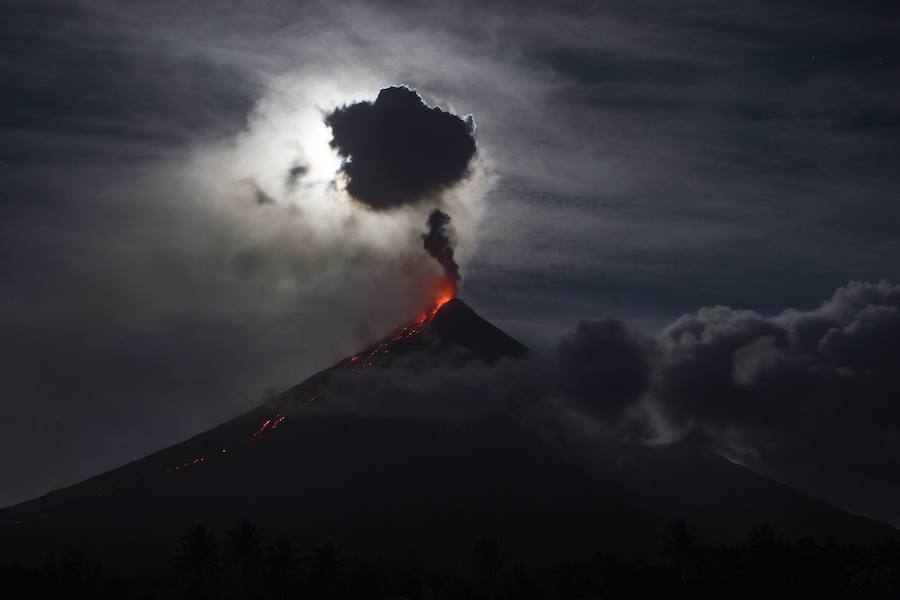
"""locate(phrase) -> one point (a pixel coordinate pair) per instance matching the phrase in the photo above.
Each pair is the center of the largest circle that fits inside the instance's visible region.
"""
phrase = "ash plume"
(397, 150)
(773, 392)
(438, 243)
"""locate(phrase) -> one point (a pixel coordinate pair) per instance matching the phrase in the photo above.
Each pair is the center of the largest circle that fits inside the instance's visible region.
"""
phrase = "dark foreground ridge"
(378, 486)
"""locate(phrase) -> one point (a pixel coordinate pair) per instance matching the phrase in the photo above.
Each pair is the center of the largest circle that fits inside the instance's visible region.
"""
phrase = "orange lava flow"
(359, 363)
(262, 429)
(190, 463)
(269, 425)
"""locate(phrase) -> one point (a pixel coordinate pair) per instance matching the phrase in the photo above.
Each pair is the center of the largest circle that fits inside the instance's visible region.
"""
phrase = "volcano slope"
(425, 442)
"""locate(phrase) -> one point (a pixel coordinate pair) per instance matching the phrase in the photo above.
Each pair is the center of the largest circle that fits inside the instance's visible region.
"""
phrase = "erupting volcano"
(332, 460)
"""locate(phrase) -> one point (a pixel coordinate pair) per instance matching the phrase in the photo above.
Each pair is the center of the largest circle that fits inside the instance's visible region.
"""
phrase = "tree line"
(242, 564)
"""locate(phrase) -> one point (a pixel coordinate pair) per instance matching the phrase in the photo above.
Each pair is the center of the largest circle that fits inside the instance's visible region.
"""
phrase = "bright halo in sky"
(322, 161)
(287, 131)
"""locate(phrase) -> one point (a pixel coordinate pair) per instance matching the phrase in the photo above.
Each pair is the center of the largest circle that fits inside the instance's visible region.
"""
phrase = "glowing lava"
(360, 362)
(269, 425)
(445, 292)
(263, 428)
(190, 463)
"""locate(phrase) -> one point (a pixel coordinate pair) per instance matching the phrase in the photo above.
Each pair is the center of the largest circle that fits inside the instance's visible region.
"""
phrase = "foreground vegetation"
(243, 564)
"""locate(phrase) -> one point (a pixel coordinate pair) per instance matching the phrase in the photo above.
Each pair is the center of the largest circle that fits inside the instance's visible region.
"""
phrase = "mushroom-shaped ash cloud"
(397, 150)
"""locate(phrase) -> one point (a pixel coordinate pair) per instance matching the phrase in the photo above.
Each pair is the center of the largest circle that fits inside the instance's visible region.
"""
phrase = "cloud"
(603, 367)
(397, 150)
(811, 397)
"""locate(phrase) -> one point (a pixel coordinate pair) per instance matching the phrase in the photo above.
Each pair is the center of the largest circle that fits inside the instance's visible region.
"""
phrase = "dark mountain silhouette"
(374, 484)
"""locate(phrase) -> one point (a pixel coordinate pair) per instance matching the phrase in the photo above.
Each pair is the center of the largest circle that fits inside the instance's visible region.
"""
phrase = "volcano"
(313, 465)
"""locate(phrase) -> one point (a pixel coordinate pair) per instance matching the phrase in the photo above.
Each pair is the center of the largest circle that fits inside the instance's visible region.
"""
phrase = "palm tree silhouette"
(281, 565)
(768, 553)
(326, 571)
(488, 562)
(77, 575)
(872, 577)
(197, 559)
(680, 545)
(244, 552)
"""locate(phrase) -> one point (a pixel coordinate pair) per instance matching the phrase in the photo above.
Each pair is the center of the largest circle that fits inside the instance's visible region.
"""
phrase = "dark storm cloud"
(810, 397)
(741, 139)
(604, 367)
(79, 86)
(722, 364)
(398, 150)
(595, 66)
(438, 243)
(90, 380)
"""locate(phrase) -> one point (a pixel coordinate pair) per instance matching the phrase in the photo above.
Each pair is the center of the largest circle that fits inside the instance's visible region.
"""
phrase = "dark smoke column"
(438, 243)
(397, 151)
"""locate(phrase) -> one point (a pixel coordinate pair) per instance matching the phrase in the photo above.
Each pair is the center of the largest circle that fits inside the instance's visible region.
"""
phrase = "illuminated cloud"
(807, 396)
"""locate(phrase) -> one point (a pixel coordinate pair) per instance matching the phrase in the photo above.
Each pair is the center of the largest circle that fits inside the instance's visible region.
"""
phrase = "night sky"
(697, 200)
